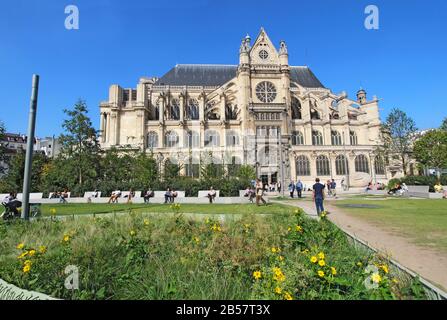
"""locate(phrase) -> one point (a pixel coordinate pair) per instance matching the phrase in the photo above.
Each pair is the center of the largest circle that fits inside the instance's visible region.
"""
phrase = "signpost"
(29, 148)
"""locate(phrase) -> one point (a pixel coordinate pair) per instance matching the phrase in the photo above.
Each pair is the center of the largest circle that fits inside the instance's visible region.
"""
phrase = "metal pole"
(29, 147)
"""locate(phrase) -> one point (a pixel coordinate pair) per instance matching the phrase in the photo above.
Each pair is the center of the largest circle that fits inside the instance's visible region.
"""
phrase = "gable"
(263, 50)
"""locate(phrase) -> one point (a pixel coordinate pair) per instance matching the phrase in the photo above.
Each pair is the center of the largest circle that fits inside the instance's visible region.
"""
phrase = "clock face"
(263, 54)
(266, 92)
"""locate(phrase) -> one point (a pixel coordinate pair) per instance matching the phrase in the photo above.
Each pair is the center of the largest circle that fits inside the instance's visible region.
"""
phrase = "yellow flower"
(333, 271)
(26, 268)
(395, 281)
(321, 263)
(376, 278)
(216, 227)
(278, 275)
(298, 229)
(280, 258)
(132, 233)
(320, 273)
(196, 239)
(278, 290)
(384, 268)
(257, 275)
(53, 211)
(27, 263)
(42, 249)
(275, 250)
(305, 251)
(32, 252)
(321, 256)
(289, 229)
(23, 255)
(287, 296)
(66, 238)
(313, 259)
(20, 245)
(146, 222)
(359, 264)
(207, 220)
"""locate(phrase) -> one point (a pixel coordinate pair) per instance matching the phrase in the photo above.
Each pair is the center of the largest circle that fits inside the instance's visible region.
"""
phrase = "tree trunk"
(404, 165)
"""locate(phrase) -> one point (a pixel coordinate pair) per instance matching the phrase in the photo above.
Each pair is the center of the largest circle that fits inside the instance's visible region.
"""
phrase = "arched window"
(231, 112)
(296, 109)
(232, 138)
(353, 138)
(192, 168)
(336, 138)
(297, 138)
(171, 139)
(317, 138)
(174, 110)
(192, 110)
(212, 138)
(361, 164)
(323, 166)
(302, 166)
(341, 165)
(379, 165)
(192, 139)
(152, 139)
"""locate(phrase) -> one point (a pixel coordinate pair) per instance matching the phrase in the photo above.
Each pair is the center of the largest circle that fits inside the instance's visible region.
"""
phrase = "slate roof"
(217, 75)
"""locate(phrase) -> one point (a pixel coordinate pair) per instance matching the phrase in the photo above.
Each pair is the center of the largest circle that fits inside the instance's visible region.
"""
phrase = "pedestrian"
(299, 188)
(328, 186)
(211, 194)
(333, 188)
(291, 188)
(168, 195)
(259, 192)
(318, 195)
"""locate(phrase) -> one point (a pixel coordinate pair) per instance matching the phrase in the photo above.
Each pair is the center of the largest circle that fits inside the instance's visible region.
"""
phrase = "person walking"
(318, 195)
(259, 192)
(333, 188)
(291, 188)
(299, 188)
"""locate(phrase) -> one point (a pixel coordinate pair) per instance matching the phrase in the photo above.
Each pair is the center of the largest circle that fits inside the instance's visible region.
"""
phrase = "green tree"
(400, 130)
(444, 124)
(431, 150)
(13, 180)
(80, 146)
(246, 172)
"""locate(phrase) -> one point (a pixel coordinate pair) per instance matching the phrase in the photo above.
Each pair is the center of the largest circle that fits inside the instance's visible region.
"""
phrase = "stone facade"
(262, 112)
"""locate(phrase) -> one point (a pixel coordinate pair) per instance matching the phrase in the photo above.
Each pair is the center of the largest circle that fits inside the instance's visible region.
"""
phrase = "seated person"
(114, 197)
(149, 194)
(396, 188)
(130, 196)
(168, 195)
(211, 194)
(438, 187)
(174, 195)
(64, 196)
(11, 205)
(95, 194)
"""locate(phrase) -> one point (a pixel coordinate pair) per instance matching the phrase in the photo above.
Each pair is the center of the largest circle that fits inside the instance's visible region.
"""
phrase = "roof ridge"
(205, 65)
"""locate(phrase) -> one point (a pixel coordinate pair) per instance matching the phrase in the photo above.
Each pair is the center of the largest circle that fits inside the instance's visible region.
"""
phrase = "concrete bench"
(32, 196)
(89, 194)
(204, 193)
(3, 196)
(161, 194)
(418, 191)
(51, 194)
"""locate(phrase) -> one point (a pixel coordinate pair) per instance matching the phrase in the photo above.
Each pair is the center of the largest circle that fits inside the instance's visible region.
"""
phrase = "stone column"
(108, 127)
(101, 126)
(182, 99)
(162, 109)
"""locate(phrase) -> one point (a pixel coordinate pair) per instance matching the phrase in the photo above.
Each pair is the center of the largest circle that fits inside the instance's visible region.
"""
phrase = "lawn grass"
(423, 221)
(100, 208)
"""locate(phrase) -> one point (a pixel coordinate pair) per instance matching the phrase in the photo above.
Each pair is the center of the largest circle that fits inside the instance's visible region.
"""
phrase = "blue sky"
(403, 63)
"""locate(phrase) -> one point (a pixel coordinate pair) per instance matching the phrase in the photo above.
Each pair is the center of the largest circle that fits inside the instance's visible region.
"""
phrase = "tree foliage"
(2, 148)
(431, 149)
(444, 124)
(400, 131)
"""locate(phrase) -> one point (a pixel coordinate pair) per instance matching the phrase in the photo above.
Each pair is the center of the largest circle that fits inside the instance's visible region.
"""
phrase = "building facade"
(262, 112)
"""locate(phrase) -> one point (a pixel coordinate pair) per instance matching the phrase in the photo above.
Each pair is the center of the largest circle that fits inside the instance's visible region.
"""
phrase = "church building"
(262, 112)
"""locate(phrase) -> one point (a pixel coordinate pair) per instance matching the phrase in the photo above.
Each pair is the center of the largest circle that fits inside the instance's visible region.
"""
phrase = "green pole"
(29, 147)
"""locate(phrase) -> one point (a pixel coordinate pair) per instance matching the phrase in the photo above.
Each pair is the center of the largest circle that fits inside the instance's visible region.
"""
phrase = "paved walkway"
(429, 263)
